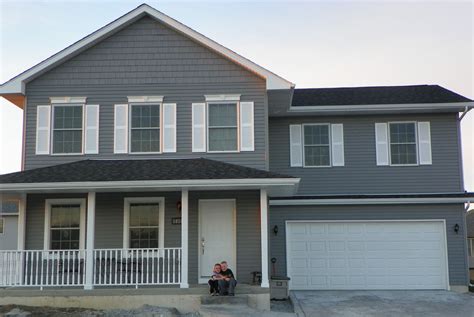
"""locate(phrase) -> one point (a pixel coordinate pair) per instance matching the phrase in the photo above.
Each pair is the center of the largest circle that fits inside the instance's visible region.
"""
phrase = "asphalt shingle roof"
(375, 95)
(136, 170)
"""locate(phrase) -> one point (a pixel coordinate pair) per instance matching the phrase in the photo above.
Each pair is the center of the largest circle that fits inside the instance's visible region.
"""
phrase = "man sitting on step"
(228, 283)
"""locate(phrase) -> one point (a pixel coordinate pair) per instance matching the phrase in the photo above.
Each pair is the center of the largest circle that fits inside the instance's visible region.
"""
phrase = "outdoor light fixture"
(275, 230)
(456, 228)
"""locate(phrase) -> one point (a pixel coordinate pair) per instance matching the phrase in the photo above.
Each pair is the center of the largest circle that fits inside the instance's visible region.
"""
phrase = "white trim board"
(368, 201)
(17, 84)
(154, 184)
(382, 107)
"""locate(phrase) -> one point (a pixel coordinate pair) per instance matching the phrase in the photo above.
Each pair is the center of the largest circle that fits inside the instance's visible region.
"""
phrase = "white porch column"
(90, 230)
(264, 236)
(21, 223)
(184, 238)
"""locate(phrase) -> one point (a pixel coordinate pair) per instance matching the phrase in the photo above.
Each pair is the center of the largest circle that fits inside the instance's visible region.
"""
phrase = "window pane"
(316, 135)
(145, 116)
(223, 139)
(402, 133)
(145, 140)
(223, 115)
(67, 141)
(144, 218)
(67, 117)
(403, 153)
(65, 216)
(316, 155)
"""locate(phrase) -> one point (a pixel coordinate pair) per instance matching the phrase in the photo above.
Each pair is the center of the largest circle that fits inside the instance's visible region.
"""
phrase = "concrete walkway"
(384, 303)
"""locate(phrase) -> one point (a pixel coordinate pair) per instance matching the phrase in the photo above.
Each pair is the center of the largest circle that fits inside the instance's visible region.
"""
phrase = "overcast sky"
(312, 43)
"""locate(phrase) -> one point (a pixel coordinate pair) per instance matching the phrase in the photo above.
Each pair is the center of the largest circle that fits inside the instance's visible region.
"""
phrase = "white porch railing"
(42, 268)
(111, 267)
(137, 266)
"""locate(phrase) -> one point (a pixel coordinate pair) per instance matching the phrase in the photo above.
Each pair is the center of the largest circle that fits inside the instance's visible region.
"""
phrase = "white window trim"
(62, 100)
(303, 144)
(47, 220)
(390, 143)
(126, 218)
(237, 109)
(222, 98)
(51, 141)
(130, 105)
(145, 99)
(2, 225)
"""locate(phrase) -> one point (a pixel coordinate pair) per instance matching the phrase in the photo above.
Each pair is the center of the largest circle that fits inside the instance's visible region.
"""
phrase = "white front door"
(216, 235)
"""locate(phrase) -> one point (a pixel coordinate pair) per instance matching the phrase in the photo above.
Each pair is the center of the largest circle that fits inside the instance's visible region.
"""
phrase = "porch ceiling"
(146, 175)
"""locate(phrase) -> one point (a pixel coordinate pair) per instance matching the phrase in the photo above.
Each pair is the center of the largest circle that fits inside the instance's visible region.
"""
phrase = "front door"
(216, 235)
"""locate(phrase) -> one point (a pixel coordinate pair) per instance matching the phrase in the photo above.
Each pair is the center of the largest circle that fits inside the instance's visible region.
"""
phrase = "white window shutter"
(247, 142)
(199, 127)
(296, 145)
(381, 140)
(337, 144)
(424, 143)
(43, 128)
(92, 129)
(121, 129)
(169, 127)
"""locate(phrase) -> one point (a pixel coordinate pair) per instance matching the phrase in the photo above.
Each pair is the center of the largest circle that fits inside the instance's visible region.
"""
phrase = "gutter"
(466, 110)
(368, 201)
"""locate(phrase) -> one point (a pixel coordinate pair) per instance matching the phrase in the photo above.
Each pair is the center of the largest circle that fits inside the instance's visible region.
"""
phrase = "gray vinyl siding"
(453, 213)
(109, 224)
(9, 237)
(147, 58)
(361, 175)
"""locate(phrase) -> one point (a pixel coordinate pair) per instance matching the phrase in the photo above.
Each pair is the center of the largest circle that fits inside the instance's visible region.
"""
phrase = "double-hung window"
(67, 129)
(144, 222)
(403, 143)
(222, 127)
(65, 227)
(145, 128)
(317, 145)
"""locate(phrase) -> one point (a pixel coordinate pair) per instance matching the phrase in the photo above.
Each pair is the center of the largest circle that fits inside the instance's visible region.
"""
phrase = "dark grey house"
(151, 152)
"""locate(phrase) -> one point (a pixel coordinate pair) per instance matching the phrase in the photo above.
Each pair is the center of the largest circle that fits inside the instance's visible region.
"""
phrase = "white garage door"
(367, 255)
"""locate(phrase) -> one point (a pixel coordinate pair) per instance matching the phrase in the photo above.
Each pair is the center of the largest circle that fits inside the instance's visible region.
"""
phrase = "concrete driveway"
(383, 303)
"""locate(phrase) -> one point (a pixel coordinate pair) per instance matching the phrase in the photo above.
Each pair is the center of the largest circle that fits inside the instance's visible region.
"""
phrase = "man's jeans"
(227, 286)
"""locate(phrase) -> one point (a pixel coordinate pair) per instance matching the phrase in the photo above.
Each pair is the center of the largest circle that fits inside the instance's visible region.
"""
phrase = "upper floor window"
(403, 143)
(222, 127)
(317, 146)
(145, 128)
(67, 129)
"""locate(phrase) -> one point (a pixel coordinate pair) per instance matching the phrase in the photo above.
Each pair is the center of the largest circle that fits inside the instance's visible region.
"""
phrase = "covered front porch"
(136, 234)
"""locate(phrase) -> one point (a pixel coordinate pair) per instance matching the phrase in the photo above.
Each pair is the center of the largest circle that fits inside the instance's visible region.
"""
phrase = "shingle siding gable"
(148, 58)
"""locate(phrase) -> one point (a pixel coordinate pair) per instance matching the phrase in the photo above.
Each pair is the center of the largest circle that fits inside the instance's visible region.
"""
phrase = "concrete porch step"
(226, 310)
(225, 300)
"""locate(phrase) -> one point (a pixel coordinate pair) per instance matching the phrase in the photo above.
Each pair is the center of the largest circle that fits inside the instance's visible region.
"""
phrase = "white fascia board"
(16, 84)
(368, 201)
(159, 184)
(383, 107)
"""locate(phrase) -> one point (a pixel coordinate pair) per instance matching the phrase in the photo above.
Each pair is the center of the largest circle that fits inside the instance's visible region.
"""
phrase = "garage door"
(367, 255)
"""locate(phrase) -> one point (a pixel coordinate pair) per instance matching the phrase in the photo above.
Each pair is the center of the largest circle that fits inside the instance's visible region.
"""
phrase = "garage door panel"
(367, 255)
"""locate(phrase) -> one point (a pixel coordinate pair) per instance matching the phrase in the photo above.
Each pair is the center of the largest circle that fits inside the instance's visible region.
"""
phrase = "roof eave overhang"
(275, 186)
(382, 108)
(17, 84)
(370, 201)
